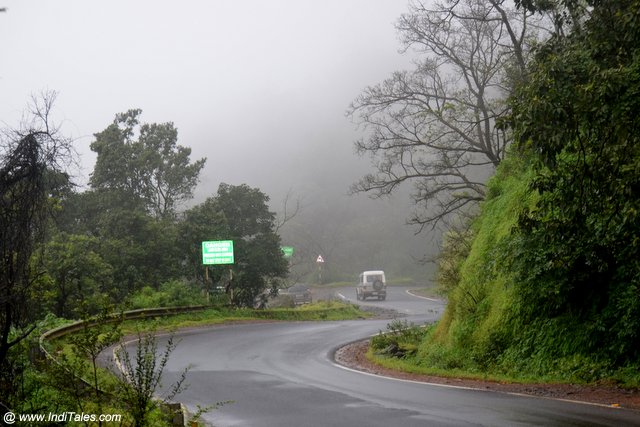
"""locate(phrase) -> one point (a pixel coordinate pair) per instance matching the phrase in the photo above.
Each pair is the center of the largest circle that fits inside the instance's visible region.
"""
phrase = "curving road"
(282, 374)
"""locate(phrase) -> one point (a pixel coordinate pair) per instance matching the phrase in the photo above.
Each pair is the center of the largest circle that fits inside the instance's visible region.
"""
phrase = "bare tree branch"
(290, 209)
(435, 125)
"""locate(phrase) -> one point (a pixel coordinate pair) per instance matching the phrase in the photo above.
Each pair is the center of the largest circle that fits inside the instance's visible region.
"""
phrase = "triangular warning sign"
(320, 259)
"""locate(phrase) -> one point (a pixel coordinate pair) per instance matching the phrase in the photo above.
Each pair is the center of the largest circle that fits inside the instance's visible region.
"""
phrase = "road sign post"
(218, 252)
(287, 251)
(319, 261)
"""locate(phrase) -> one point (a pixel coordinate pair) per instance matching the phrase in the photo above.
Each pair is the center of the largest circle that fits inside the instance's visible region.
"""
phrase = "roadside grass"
(618, 379)
(321, 310)
(398, 349)
(412, 366)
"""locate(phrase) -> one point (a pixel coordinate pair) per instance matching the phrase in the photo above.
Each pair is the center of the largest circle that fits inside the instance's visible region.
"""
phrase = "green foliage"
(95, 337)
(140, 250)
(77, 279)
(479, 301)
(456, 244)
(400, 340)
(577, 253)
(145, 254)
(24, 388)
(175, 293)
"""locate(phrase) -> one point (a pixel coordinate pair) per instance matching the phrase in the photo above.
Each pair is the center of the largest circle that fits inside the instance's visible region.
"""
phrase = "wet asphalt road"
(282, 374)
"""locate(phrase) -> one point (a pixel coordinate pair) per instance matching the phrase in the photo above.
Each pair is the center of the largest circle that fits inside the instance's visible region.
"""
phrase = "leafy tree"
(152, 170)
(259, 262)
(438, 125)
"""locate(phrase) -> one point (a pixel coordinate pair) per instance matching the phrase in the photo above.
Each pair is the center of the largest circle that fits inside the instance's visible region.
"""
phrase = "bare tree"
(32, 165)
(437, 126)
(290, 208)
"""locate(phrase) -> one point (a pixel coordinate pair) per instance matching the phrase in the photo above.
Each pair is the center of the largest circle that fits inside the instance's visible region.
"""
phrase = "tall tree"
(31, 164)
(437, 126)
(152, 169)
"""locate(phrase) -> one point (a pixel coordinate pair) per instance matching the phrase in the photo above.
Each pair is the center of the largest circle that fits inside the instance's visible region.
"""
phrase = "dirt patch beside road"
(354, 356)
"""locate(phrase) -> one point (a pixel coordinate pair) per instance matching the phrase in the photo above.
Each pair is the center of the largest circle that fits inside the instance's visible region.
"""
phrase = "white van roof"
(373, 272)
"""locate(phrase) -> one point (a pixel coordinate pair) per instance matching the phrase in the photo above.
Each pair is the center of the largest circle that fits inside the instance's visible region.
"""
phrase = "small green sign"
(217, 252)
(287, 251)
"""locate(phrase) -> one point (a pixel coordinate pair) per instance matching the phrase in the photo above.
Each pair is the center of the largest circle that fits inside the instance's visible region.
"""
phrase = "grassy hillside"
(476, 326)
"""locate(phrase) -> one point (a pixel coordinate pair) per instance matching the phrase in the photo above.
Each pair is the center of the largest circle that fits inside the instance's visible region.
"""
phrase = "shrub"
(174, 293)
(401, 339)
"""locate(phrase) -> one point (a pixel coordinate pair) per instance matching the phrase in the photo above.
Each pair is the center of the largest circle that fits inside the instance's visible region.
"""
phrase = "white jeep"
(371, 284)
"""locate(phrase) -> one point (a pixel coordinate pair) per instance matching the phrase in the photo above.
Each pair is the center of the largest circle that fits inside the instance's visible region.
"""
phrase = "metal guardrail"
(143, 313)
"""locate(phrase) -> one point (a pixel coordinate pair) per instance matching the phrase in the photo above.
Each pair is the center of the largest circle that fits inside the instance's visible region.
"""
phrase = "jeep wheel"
(377, 285)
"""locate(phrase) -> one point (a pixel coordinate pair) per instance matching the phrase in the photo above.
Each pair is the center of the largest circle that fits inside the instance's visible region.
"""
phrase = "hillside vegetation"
(545, 282)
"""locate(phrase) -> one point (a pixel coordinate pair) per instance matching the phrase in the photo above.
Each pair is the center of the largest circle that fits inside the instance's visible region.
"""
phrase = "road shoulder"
(354, 356)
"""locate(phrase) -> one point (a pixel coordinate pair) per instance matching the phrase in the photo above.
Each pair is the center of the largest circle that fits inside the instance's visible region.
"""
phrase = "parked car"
(300, 294)
(371, 284)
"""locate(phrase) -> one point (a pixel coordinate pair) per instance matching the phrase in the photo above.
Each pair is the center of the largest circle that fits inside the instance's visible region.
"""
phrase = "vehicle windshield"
(374, 278)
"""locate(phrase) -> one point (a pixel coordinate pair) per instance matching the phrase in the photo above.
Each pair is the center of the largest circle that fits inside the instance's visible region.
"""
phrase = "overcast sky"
(259, 87)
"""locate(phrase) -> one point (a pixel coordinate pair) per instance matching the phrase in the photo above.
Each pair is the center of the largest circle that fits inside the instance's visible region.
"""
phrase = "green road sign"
(287, 251)
(217, 252)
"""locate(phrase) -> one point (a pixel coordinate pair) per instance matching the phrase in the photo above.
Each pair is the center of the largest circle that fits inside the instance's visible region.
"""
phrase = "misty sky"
(259, 87)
